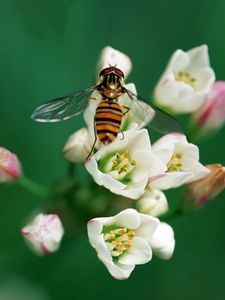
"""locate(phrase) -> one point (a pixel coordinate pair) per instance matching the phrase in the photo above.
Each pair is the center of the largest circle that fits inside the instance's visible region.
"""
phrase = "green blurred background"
(51, 47)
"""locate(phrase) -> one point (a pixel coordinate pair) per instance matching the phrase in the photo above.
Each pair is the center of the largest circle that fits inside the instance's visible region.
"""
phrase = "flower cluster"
(134, 171)
(132, 167)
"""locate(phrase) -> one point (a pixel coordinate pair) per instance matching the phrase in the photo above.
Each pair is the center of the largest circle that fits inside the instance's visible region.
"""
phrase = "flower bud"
(153, 203)
(9, 166)
(201, 191)
(112, 57)
(163, 241)
(78, 146)
(211, 115)
(43, 234)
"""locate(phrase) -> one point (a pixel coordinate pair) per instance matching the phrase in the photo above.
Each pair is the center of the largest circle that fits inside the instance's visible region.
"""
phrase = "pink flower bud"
(201, 191)
(9, 166)
(211, 115)
(43, 234)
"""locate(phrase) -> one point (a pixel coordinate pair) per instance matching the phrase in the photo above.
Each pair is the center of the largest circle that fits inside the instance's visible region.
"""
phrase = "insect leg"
(92, 148)
(122, 135)
(126, 108)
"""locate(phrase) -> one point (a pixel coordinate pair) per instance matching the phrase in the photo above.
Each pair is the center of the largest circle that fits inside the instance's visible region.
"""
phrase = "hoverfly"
(109, 112)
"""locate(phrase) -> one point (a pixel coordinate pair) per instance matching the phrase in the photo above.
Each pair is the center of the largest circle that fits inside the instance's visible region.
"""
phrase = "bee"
(109, 112)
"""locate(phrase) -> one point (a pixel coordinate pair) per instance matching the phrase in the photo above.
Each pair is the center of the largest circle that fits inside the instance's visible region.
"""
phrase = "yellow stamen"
(119, 240)
(175, 164)
(121, 163)
(185, 77)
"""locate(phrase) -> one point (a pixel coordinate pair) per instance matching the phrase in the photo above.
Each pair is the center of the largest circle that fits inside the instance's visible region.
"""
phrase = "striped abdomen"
(108, 119)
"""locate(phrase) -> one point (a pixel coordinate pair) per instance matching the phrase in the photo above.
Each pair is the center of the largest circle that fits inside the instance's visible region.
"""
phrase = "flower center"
(119, 240)
(175, 164)
(185, 77)
(120, 165)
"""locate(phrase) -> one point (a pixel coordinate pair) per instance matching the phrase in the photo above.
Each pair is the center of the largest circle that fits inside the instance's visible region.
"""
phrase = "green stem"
(33, 187)
(71, 170)
(172, 214)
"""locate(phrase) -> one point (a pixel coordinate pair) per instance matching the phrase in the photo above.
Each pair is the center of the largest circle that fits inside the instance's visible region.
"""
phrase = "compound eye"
(119, 72)
(105, 71)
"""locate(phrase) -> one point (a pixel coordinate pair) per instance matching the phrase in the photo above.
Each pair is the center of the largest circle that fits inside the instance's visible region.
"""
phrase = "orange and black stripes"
(108, 119)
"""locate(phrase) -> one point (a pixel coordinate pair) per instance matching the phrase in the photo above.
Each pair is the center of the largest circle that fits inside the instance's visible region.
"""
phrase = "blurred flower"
(9, 166)
(207, 188)
(78, 146)
(182, 160)
(211, 115)
(163, 242)
(186, 81)
(112, 57)
(43, 234)
(122, 241)
(153, 203)
(124, 166)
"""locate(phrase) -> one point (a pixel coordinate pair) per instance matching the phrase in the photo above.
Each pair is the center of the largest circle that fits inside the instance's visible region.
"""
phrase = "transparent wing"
(152, 116)
(63, 108)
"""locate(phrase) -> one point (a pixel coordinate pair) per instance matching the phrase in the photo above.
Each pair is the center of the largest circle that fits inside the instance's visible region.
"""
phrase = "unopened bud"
(163, 241)
(78, 146)
(9, 166)
(43, 234)
(201, 191)
(111, 57)
(211, 116)
(153, 203)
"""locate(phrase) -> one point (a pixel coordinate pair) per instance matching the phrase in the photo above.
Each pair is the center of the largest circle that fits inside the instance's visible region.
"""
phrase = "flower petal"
(147, 227)
(199, 58)
(117, 270)
(171, 180)
(139, 253)
(128, 218)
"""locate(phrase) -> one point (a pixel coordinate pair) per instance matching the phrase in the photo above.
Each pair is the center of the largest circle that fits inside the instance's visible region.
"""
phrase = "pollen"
(115, 163)
(126, 154)
(175, 164)
(185, 77)
(119, 240)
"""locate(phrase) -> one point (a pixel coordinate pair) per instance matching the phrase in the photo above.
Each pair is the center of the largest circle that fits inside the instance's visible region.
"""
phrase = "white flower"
(153, 203)
(43, 234)
(112, 57)
(124, 166)
(78, 146)
(122, 241)
(163, 242)
(182, 160)
(186, 81)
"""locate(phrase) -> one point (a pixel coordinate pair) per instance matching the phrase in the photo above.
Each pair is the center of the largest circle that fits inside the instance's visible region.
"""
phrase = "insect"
(109, 112)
